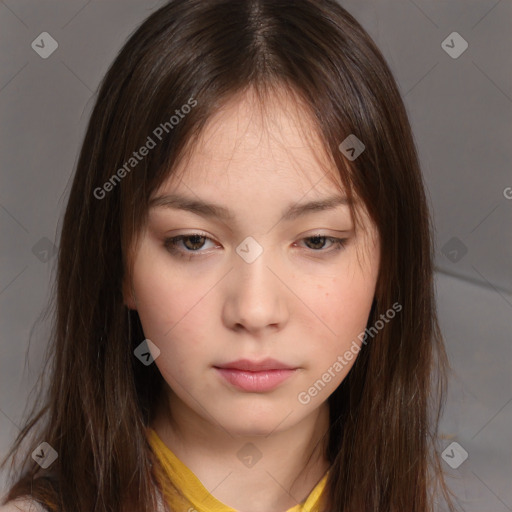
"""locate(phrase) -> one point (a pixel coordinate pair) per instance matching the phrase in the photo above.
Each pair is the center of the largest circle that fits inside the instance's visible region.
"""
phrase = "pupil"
(316, 240)
(195, 239)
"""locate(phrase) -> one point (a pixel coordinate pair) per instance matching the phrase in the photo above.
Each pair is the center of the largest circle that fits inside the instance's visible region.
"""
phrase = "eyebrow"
(206, 209)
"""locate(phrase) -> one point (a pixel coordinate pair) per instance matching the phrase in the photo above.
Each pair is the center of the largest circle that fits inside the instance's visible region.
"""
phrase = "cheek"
(171, 311)
(164, 297)
(167, 316)
(343, 302)
(340, 310)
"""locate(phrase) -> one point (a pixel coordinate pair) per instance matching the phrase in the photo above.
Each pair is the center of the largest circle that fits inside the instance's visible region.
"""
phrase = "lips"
(256, 366)
(255, 376)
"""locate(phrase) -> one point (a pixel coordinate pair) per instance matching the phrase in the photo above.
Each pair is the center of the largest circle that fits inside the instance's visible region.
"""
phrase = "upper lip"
(254, 366)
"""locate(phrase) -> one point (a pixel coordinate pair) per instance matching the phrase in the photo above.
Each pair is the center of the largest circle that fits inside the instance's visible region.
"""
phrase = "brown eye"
(317, 242)
(186, 245)
(196, 241)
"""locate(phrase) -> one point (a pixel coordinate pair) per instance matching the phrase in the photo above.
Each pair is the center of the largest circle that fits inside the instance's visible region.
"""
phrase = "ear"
(129, 295)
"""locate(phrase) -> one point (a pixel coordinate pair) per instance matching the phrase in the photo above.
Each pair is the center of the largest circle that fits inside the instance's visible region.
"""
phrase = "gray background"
(461, 112)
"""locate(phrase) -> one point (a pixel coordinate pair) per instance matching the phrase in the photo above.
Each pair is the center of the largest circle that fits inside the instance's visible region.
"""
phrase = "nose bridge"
(256, 290)
(251, 268)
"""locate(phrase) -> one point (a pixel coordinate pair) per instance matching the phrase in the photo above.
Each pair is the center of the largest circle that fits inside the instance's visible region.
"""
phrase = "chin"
(255, 422)
(263, 429)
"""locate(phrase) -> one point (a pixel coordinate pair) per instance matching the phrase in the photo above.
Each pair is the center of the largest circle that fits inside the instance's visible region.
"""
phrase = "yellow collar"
(188, 493)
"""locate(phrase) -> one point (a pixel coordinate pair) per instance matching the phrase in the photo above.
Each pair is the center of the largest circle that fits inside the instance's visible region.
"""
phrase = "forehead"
(249, 144)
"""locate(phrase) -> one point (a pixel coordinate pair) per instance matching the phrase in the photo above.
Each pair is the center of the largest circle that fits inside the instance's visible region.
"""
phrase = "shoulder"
(22, 505)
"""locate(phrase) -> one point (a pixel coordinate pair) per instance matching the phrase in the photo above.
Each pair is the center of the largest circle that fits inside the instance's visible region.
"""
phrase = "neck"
(291, 462)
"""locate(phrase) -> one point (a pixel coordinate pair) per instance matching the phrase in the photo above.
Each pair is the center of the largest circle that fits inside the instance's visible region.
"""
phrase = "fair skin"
(300, 301)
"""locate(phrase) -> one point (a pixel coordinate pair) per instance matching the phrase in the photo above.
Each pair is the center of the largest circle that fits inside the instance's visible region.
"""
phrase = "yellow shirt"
(188, 493)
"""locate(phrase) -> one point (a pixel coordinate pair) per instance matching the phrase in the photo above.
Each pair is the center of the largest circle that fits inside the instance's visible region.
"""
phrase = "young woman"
(245, 317)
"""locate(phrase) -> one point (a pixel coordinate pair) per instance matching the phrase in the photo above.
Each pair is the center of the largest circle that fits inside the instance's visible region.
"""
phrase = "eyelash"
(171, 243)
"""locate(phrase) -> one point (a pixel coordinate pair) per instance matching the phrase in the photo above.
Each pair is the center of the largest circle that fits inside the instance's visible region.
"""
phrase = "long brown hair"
(384, 415)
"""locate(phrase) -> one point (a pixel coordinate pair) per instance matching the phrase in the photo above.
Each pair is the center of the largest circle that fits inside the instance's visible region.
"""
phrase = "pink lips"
(255, 376)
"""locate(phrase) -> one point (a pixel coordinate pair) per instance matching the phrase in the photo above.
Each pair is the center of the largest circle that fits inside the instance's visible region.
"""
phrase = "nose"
(256, 296)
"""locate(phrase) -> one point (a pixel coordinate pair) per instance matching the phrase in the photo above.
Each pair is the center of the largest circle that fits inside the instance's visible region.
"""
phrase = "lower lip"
(265, 380)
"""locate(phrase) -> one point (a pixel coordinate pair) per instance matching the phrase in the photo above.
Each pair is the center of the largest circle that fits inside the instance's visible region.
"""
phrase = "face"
(261, 281)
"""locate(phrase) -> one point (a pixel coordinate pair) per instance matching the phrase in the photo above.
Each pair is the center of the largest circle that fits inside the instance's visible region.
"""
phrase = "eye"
(194, 242)
(318, 242)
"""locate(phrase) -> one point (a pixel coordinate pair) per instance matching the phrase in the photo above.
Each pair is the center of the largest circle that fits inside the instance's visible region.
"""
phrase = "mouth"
(253, 376)
(256, 366)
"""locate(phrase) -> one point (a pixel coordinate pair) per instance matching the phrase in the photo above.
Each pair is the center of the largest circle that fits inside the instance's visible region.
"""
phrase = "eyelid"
(170, 243)
(190, 234)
